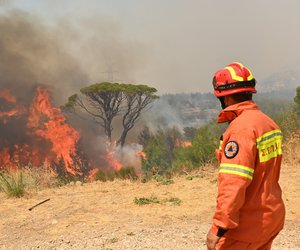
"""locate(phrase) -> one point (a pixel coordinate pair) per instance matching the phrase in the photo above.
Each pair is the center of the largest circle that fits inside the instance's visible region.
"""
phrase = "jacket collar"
(233, 111)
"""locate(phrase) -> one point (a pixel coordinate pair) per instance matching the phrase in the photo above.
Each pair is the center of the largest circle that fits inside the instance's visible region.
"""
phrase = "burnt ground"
(104, 215)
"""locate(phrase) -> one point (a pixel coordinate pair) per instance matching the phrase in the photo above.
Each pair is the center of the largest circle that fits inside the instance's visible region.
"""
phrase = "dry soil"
(104, 215)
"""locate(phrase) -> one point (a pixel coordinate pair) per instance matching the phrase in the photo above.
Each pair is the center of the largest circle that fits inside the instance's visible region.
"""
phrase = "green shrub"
(204, 145)
(12, 184)
(163, 180)
(101, 176)
(157, 151)
(127, 173)
(144, 200)
(183, 161)
(297, 101)
(174, 201)
(201, 152)
(110, 175)
(289, 122)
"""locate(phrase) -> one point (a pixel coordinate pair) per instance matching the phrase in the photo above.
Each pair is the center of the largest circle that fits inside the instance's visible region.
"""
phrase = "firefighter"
(250, 211)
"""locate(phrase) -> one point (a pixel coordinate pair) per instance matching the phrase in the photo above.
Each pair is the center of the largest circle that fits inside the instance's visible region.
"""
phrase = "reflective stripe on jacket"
(249, 199)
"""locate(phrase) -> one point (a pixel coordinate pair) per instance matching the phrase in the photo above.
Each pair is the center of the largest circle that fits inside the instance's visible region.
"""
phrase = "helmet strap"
(235, 85)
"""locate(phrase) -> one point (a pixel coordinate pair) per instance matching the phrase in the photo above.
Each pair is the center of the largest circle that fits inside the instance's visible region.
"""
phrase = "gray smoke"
(31, 54)
(63, 58)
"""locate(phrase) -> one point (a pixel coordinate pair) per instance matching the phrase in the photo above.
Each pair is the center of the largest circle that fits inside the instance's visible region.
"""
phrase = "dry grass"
(15, 183)
(104, 215)
(12, 184)
(39, 177)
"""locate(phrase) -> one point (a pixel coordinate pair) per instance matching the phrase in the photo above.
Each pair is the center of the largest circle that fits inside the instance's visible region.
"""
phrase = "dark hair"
(242, 97)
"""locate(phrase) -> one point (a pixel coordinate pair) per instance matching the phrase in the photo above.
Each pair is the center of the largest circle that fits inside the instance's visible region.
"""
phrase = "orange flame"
(111, 158)
(9, 99)
(51, 141)
(5, 159)
(142, 155)
(49, 123)
(183, 144)
(7, 96)
(186, 144)
(92, 174)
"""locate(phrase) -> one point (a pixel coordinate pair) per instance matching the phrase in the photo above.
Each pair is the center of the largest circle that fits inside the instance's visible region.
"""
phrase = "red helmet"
(233, 79)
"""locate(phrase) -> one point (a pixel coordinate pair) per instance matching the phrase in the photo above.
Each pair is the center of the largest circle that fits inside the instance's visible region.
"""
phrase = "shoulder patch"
(231, 149)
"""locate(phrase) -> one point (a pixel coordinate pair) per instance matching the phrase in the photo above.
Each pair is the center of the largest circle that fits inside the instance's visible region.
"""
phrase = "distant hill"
(195, 109)
(286, 80)
(182, 110)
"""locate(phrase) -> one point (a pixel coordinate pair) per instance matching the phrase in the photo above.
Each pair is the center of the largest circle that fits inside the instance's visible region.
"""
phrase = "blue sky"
(172, 45)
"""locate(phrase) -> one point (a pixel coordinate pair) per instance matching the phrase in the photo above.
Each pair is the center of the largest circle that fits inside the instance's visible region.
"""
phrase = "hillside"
(104, 216)
(196, 109)
(282, 81)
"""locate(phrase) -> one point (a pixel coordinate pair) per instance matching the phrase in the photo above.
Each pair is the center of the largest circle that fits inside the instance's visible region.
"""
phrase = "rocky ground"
(105, 215)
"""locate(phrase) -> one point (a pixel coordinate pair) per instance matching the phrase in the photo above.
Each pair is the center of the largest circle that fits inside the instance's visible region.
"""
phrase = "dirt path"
(104, 215)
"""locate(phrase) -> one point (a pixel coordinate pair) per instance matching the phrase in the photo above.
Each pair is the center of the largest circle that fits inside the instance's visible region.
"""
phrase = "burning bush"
(39, 135)
(44, 136)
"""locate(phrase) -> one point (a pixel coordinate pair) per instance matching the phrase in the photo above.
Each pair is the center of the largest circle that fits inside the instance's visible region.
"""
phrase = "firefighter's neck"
(228, 100)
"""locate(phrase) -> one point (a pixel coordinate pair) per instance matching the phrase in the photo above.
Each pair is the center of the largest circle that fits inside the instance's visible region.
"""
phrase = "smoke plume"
(34, 53)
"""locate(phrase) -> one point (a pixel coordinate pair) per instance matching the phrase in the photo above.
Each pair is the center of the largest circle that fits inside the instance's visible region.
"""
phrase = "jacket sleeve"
(235, 175)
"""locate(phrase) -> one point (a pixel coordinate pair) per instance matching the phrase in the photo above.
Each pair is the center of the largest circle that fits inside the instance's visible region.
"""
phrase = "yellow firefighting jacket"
(249, 201)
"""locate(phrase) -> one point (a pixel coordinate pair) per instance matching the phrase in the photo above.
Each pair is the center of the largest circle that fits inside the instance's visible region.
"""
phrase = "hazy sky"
(173, 45)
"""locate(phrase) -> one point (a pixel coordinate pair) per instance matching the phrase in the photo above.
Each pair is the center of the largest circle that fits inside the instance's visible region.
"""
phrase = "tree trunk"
(121, 141)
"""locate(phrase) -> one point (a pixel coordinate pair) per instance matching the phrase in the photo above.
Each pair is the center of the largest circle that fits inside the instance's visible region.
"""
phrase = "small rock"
(54, 222)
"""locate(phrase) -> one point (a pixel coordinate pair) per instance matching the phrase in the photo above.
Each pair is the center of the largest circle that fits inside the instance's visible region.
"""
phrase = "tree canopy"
(104, 101)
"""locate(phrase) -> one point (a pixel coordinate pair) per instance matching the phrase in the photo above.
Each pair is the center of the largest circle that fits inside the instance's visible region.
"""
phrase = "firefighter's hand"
(211, 240)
